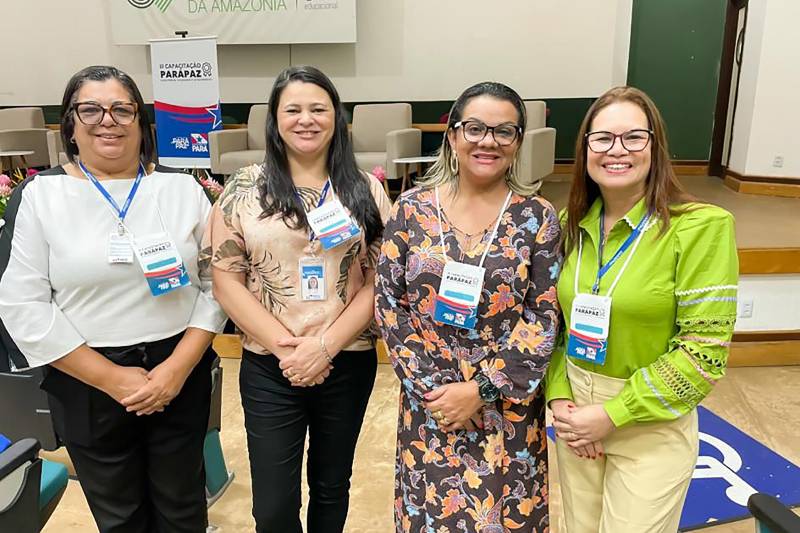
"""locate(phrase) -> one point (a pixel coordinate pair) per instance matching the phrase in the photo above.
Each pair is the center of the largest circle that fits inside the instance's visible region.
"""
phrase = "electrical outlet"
(746, 308)
(778, 161)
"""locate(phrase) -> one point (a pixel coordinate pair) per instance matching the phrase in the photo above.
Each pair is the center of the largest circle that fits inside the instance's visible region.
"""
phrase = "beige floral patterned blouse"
(269, 253)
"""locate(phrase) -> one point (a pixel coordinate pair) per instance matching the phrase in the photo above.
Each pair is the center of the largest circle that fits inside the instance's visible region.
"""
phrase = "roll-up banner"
(186, 99)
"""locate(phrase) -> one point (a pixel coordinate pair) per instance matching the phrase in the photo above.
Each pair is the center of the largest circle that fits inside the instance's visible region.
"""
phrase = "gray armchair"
(233, 149)
(22, 128)
(538, 151)
(382, 133)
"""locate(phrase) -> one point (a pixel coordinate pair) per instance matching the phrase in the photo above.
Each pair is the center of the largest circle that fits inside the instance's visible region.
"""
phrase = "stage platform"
(767, 228)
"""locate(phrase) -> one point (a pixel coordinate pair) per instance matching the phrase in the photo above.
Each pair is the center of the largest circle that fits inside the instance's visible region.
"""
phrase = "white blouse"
(58, 289)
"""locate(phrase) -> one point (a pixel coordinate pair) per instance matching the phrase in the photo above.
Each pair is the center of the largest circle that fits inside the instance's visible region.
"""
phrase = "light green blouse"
(672, 312)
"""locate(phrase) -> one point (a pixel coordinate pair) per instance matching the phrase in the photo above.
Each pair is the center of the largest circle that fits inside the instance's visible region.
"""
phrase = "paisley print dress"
(492, 480)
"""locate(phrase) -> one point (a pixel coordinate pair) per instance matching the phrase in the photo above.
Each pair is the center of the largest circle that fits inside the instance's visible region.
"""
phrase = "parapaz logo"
(162, 5)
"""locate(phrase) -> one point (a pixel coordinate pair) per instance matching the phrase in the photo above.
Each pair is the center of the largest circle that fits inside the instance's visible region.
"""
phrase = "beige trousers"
(640, 483)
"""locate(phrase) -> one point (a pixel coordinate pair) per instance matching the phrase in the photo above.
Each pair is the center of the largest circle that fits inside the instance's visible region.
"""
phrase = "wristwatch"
(486, 390)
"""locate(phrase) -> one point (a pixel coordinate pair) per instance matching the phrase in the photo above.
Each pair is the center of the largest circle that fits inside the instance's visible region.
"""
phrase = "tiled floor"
(763, 402)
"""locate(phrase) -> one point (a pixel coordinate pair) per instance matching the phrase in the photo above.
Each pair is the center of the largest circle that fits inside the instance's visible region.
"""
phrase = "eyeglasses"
(633, 140)
(475, 131)
(93, 114)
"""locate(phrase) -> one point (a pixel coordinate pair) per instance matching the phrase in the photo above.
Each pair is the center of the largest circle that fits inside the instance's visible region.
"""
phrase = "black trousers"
(140, 474)
(277, 416)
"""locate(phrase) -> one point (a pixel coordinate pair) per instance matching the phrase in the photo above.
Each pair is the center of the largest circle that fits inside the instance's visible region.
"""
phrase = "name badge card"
(162, 264)
(120, 251)
(332, 224)
(588, 329)
(459, 295)
(312, 279)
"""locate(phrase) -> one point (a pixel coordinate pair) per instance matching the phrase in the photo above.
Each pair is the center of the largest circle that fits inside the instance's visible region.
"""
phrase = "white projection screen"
(235, 21)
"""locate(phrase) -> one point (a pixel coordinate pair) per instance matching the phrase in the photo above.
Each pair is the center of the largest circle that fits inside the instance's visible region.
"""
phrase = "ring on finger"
(445, 421)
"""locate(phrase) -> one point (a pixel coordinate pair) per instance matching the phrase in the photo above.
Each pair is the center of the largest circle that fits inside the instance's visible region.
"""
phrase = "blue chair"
(25, 412)
(29, 486)
(771, 515)
(218, 478)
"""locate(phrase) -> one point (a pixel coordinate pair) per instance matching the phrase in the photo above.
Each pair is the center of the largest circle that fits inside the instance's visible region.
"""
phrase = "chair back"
(371, 123)
(17, 118)
(257, 127)
(536, 114)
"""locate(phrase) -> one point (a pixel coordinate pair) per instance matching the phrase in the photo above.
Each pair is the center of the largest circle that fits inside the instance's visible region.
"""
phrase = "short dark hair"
(276, 187)
(102, 73)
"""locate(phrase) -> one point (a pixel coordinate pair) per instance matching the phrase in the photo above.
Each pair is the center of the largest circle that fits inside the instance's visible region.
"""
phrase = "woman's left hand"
(306, 364)
(453, 405)
(164, 383)
(584, 425)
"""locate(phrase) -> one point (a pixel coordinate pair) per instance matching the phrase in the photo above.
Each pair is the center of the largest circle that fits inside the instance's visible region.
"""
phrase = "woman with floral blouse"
(293, 244)
(465, 299)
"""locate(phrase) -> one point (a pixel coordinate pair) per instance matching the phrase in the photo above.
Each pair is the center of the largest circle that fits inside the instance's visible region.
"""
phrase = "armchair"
(538, 151)
(231, 150)
(22, 128)
(30, 488)
(382, 133)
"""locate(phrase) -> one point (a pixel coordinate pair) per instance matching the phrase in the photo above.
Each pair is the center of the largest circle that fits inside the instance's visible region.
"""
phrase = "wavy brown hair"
(663, 192)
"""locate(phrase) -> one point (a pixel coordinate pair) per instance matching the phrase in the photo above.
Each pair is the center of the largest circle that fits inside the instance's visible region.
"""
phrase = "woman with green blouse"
(648, 292)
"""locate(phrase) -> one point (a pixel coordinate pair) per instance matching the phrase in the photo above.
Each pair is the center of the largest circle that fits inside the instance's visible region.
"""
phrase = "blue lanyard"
(603, 269)
(319, 204)
(120, 212)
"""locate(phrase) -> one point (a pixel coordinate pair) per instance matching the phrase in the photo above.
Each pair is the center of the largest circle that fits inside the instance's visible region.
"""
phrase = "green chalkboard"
(675, 52)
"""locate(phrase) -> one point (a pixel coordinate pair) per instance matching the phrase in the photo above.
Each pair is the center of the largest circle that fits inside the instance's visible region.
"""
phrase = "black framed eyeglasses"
(601, 142)
(92, 113)
(475, 131)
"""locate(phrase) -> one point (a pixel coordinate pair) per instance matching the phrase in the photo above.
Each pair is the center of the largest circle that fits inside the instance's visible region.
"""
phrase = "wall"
(767, 117)
(776, 302)
(406, 50)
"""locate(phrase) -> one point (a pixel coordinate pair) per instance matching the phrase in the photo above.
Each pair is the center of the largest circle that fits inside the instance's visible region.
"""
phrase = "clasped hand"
(145, 393)
(582, 428)
(307, 365)
(456, 406)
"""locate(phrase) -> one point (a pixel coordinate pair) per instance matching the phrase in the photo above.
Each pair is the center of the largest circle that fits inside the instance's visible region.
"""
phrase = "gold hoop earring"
(453, 163)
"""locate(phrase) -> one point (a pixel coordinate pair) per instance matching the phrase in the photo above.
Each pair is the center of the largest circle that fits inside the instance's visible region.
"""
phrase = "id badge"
(120, 251)
(332, 224)
(312, 279)
(161, 263)
(588, 329)
(459, 294)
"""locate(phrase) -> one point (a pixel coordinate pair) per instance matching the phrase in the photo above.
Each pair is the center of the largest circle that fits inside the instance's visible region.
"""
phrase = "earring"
(511, 170)
(453, 163)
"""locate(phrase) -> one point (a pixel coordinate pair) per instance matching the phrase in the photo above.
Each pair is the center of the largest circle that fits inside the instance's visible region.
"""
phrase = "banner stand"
(185, 98)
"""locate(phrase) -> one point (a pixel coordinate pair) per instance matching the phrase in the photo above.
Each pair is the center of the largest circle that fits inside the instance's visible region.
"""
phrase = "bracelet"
(325, 351)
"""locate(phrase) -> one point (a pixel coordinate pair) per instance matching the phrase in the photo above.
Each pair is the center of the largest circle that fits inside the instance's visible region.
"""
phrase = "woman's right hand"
(125, 381)
(560, 409)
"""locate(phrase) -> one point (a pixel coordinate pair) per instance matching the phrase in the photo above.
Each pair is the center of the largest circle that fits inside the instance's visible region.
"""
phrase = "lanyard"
(319, 204)
(634, 238)
(99, 186)
(494, 230)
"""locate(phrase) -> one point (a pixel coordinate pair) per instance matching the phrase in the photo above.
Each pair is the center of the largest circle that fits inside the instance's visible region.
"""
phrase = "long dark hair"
(103, 73)
(350, 184)
(662, 188)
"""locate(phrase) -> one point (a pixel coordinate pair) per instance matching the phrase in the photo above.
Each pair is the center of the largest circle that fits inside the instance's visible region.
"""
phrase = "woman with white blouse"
(101, 281)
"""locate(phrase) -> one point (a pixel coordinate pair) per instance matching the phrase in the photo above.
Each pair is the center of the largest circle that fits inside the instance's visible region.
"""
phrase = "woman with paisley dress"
(471, 445)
